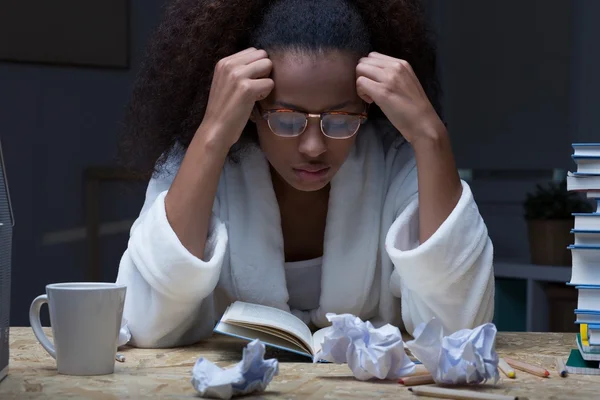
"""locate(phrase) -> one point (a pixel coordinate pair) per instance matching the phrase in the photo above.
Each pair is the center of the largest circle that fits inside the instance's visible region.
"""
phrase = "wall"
(520, 80)
(507, 76)
(55, 122)
(521, 83)
(586, 72)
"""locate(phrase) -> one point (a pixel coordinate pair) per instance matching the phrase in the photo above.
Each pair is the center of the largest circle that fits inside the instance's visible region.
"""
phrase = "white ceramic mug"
(85, 320)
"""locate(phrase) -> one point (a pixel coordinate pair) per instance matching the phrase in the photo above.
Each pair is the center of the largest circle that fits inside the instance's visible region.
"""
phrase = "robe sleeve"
(168, 299)
(450, 276)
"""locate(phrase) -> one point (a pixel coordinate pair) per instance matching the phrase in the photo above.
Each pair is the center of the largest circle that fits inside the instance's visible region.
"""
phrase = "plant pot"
(548, 241)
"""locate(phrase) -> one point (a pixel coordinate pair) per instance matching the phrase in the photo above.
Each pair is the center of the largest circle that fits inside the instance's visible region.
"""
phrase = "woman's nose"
(312, 140)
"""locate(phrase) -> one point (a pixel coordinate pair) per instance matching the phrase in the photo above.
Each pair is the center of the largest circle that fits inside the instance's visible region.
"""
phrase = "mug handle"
(36, 324)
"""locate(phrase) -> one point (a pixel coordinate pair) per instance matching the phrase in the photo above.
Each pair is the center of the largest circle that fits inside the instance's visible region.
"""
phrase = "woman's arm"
(438, 180)
(169, 290)
(238, 82)
(438, 243)
(190, 199)
(177, 246)
(392, 84)
(451, 275)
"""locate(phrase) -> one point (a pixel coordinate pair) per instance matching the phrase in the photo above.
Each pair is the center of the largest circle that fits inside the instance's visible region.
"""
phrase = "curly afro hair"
(171, 92)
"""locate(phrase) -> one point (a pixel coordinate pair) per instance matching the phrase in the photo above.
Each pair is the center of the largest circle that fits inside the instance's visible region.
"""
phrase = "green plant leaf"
(554, 201)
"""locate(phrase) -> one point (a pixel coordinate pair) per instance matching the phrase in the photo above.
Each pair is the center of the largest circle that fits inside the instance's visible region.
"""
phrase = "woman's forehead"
(314, 81)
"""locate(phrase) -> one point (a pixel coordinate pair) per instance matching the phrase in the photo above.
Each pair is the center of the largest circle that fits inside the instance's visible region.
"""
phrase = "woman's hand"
(392, 84)
(238, 82)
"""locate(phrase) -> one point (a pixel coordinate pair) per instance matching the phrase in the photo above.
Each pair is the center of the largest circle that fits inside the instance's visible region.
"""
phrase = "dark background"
(520, 81)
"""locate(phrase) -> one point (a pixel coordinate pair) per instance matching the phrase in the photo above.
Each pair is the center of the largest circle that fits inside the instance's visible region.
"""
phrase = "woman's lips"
(312, 173)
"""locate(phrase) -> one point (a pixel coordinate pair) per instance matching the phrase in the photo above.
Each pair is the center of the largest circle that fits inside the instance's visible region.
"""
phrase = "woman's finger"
(367, 89)
(387, 61)
(250, 57)
(231, 58)
(260, 88)
(371, 71)
(377, 62)
(380, 56)
(241, 53)
(366, 98)
(257, 69)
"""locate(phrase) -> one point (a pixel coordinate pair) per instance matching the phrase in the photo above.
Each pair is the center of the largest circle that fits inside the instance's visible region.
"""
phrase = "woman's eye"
(337, 121)
(287, 123)
(290, 120)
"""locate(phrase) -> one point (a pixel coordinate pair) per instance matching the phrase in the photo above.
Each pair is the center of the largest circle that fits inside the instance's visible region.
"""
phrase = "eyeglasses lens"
(287, 123)
(340, 125)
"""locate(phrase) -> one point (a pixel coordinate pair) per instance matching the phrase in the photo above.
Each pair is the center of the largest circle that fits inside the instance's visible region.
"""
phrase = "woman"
(298, 162)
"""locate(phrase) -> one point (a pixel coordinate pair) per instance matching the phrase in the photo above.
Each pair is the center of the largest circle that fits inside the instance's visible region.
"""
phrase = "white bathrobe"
(373, 265)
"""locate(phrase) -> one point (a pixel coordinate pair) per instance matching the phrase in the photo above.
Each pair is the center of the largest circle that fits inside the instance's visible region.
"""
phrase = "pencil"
(504, 367)
(416, 380)
(420, 370)
(560, 367)
(444, 393)
(532, 369)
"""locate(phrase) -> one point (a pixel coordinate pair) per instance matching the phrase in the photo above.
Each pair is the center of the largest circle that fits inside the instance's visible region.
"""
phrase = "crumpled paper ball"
(124, 334)
(467, 356)
(252, 374)
(369, 352)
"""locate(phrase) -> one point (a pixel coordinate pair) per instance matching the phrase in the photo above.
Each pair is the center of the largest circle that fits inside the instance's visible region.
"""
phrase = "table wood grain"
(166, 373)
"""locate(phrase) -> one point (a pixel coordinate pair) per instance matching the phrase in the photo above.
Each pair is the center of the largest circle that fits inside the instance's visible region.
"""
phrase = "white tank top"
(304, 283)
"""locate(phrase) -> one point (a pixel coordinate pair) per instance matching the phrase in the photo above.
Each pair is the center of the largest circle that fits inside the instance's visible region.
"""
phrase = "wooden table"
(166, 373)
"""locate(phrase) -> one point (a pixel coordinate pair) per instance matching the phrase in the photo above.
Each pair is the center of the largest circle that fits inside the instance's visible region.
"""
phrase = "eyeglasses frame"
(266, 113)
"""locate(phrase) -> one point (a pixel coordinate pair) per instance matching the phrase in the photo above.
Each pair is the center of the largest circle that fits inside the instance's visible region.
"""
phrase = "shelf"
(521, 270)
(537, 309)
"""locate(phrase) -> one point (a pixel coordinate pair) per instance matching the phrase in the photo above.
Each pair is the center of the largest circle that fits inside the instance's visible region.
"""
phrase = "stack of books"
(585, 252)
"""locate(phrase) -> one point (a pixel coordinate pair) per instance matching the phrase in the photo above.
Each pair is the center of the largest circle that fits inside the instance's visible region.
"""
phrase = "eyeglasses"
(291, 123)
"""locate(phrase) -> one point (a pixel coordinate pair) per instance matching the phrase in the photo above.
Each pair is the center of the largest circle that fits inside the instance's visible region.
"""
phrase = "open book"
(272, 326)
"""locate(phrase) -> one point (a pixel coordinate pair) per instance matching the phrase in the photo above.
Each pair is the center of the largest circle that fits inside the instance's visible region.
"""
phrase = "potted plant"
(548, 212)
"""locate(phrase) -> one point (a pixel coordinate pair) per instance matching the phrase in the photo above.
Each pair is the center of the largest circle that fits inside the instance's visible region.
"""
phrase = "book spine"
(588, 321)
(583, 331)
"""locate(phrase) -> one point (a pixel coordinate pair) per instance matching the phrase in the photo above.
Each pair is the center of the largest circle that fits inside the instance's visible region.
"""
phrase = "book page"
(268, 316)
(251, 334)
(318, 339)
(272, 331)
